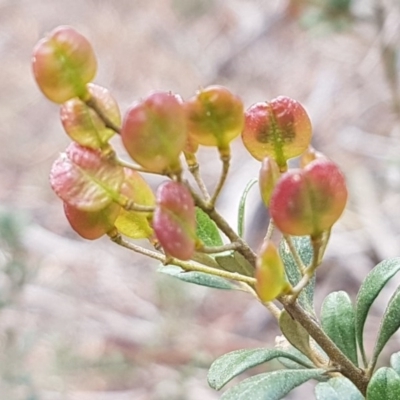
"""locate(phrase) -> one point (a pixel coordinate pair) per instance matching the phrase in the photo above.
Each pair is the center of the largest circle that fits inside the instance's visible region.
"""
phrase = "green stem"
(295, 254)
(218, 249)
(134, 167)
(225, 158)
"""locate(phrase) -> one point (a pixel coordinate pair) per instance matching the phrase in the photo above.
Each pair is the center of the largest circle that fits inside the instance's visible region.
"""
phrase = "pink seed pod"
(154, 132)
(280, 129)
(215, 117)
(270, 273)
(82, 123)
(268, 177)
(174, 220)
(309, 201)
(92, 225)
(63, 63)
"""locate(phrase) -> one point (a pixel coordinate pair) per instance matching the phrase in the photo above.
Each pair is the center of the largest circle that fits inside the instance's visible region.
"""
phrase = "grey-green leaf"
(389, 325)
(369, 290)
(234, 262)
(338, 322)
(283, 345)
(395, 362)
(271, 385)
(206, 230)
(226, 367)
(242, 206)
(305, 252)
(384, 385)
(200, 278)
(339, 388)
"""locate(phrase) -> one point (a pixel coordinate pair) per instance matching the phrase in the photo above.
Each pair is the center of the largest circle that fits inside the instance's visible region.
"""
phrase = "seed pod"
(82, 123)
(63, 63)
(154, 132)
(174, 220)
(280, 129)
(92, 225)
(309, 201)
(270, 273)
(269, 175)
(215, 117)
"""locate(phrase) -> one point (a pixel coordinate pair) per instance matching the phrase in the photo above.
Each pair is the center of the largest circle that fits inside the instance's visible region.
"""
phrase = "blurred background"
(84, 320)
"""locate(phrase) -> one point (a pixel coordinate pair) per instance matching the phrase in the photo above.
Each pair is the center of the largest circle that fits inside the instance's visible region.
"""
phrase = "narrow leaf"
(283, 345)
(389, 325)
(226, 367)
(337, 389)
(271, 385)
(199, 278)
(337, 319)
(206, 230)
(228, 261)
(305, 252)
(395, 362)
(384, 385)
(242, 206)
(370, 289)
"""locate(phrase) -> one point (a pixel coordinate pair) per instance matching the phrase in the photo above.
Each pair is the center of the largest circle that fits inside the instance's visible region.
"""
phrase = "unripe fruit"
(85, 179)
(270, 273)
(215, 117)
(82, 123)
(154, 132)
(309, 201)
(63, 63)
(174, 220)
(92, 225)
(268, 176)
(280, 129)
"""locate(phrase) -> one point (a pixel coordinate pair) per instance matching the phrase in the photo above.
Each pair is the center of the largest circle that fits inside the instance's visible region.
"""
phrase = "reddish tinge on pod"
(174, 220)
(309, 201)
(63, 63)
(82, 123)
(215, 117)
(92, 225)
(280, 129)
(268, 176)
(270, 273)
(154, 132)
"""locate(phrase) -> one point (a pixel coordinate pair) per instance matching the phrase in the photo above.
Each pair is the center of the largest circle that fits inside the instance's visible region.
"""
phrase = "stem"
(185, 265)
(129, 205)
(225, 158)
(91, 102)
(344, 365)
(218, 249)
(194, 169)
(296, 257)
(133, 167)
(270, 230)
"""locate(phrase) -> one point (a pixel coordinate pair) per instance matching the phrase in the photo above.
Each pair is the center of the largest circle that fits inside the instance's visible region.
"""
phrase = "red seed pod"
(309, 201)
(85, 179)
(215, 117)
(174, 220)
(309, 156)
(270, 273)
(82, 123)
(63, 63)
(280, 129)
(92, 225)
(268, 176)
(154, 132)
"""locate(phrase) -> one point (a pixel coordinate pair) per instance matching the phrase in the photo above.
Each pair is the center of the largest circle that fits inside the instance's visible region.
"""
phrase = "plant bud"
(135, 224)
(63, 63)
(269, 175)
(310, 155)
(270, 273)
(309, 201)
(174, 220)
(82, 123)
(280, 129)
(92, 225)
(215, 117)
(154, 132)
(85, 179)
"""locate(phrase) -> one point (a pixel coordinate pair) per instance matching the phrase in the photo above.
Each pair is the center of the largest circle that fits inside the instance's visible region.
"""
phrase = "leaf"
(242, 206)
(226, 367)
(338, 322)
(389, 325)
(200, 278)
(369, 290)
(395, 362)
(384, 385)
(206, 229)
(337, 389)
(281, 343)
(295, 333)
(305, 252)
(271, 385)
(231, 262)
